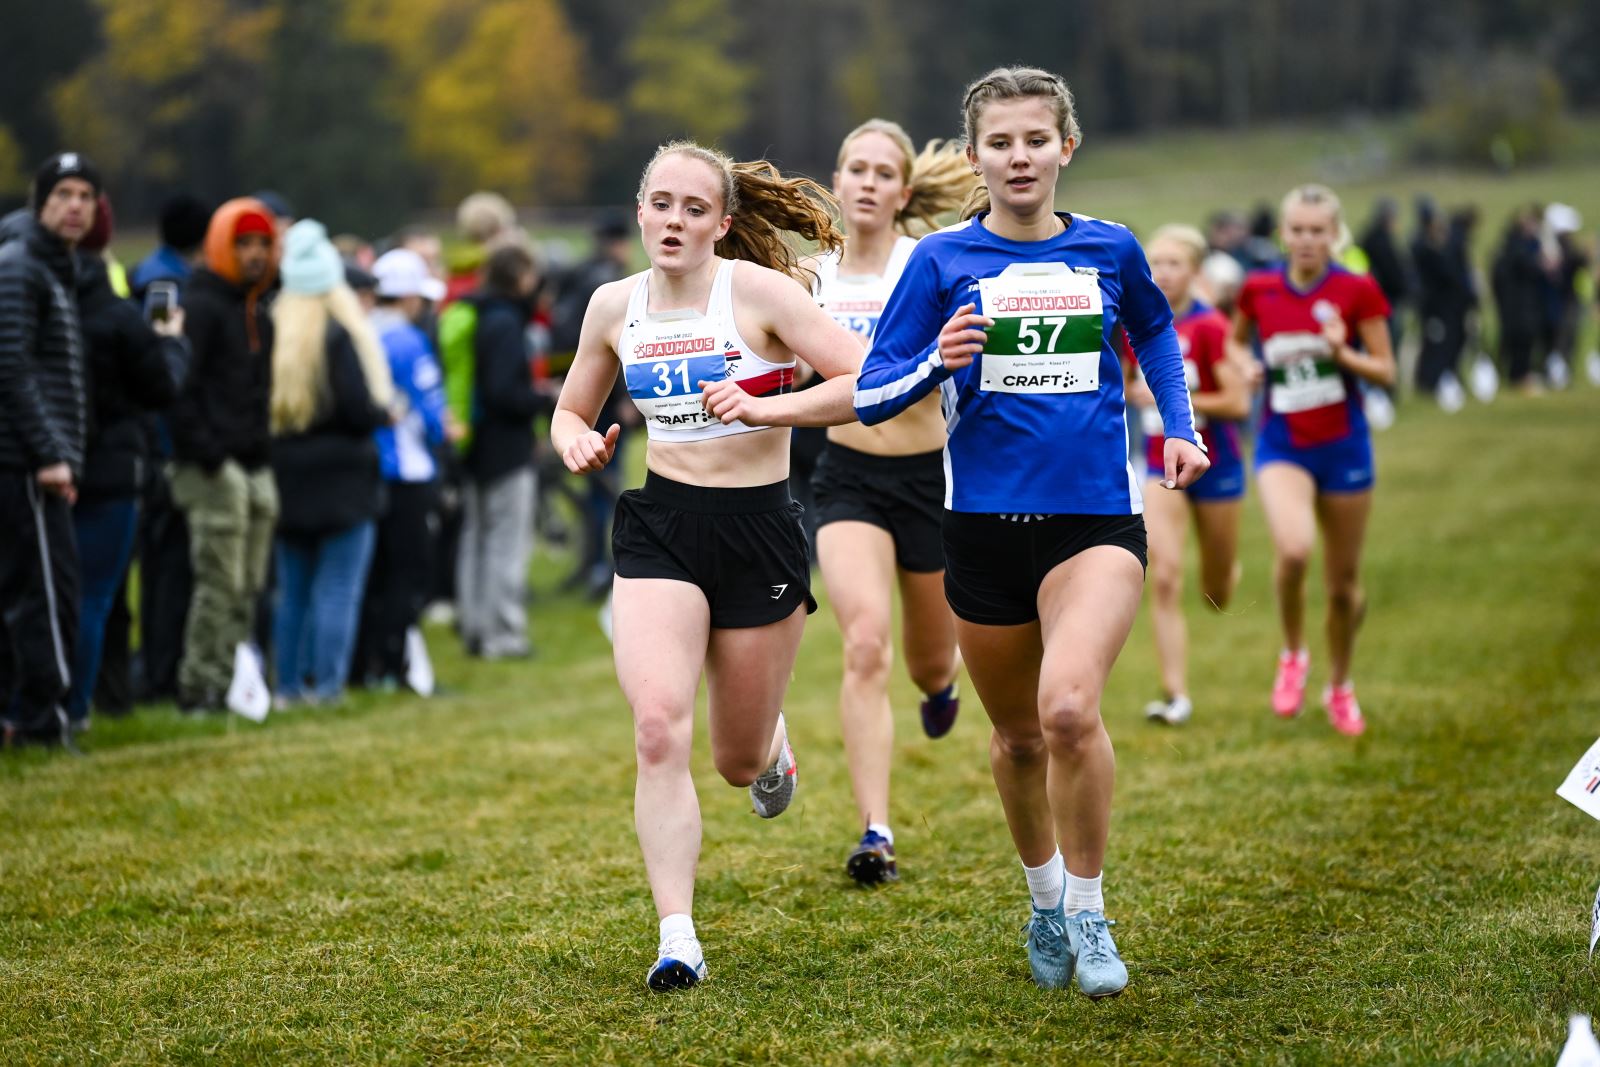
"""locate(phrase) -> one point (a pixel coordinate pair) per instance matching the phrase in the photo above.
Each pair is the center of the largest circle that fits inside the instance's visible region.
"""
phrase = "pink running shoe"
(1289, 687)
(1343, 711)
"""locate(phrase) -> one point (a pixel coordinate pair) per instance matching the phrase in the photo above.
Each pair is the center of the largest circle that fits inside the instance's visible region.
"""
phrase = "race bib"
(1303, 373)
(1047, 330)
(672, 354)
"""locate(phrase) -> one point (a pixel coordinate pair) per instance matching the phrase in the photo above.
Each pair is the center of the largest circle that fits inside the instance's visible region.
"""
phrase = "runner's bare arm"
(588, 383)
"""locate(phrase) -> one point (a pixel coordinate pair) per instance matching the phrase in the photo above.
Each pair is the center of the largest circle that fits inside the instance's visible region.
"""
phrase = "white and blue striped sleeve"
(903, 365)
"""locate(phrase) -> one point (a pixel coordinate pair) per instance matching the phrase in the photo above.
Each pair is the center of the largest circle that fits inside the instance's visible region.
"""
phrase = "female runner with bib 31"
(713, 571)
(1314, 452)
(1044, 541)
(879, 490)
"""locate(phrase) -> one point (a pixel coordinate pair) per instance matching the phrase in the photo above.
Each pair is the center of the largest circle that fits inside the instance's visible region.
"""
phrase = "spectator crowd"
(276, 449)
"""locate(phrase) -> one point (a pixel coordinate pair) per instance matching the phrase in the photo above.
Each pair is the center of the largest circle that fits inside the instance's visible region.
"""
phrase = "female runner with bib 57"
(1314, 453)
(713, 570)
(1043, 534)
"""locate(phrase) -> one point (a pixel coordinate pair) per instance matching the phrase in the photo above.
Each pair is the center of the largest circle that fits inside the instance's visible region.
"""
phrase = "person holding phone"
(133, 367)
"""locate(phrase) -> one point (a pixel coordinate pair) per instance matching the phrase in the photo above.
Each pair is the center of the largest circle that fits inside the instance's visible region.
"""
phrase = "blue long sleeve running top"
(1036, 423)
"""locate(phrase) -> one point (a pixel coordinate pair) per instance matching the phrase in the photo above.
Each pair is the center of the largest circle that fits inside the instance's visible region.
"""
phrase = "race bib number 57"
(1047, 330)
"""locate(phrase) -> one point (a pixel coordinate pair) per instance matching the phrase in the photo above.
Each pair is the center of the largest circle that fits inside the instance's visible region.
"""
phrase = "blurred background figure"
(497, 497)
(1386, 262)
(132, 367)
(331, 389)
(222, 443)
(1564, 258)
(398, 583)
(1518, 281)
(1446, 297)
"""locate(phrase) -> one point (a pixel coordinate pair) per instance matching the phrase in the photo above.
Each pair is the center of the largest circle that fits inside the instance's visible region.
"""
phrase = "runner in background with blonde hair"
(879, 490)
(1220, 396)
(1323, 330)
(713, 570)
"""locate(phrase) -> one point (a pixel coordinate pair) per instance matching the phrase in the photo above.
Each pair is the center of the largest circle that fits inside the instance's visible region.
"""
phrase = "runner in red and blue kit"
(1314, 465)
(1220, 396)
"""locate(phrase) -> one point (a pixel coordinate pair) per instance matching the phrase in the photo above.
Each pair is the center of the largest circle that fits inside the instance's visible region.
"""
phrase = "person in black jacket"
(1446, 293)
(132, 368)
(221, 444)
(1386, 262)
(497, 499)
(42, 425)
(1518, 279)
(331, 389)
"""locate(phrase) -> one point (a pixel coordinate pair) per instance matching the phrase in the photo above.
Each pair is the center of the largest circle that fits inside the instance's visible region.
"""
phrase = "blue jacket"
(405, 450)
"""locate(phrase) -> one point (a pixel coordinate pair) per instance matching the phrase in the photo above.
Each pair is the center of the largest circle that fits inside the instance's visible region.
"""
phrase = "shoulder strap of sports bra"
(720, 306)
(639, 299)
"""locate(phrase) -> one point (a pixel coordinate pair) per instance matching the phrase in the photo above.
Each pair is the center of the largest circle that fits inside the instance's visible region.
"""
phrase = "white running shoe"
(680, 964)
(1174, 712)
(771, 793)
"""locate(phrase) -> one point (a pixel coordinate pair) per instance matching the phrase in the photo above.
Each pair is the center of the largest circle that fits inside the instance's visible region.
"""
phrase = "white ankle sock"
(1045, 881)
(677, 923)
(882, 830)
(1083, 894)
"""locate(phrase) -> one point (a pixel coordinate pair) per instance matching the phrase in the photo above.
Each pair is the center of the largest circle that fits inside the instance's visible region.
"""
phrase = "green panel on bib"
(1034, 335)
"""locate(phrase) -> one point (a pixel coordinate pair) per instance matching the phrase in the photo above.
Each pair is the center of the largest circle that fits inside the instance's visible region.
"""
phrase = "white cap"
(1563, 218)
(402, 272)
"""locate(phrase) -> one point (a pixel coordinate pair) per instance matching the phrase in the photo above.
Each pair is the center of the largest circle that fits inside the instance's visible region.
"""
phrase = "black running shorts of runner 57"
(744, 548)
(994, 564)
(903, 495)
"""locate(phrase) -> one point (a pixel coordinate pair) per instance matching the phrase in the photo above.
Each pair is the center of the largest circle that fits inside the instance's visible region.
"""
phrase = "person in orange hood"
(221, 443)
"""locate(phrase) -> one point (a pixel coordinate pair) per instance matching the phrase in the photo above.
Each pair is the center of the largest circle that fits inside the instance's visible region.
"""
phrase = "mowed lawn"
(457, 880)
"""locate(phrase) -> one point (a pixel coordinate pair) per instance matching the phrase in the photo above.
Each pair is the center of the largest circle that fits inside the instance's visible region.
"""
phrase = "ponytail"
(941, 181)
(764, 206)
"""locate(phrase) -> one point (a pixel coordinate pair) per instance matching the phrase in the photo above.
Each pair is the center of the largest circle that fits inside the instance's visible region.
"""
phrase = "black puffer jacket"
(42, 406)
(131, 370)
(504, 400)
(327, 474)
(222, 410)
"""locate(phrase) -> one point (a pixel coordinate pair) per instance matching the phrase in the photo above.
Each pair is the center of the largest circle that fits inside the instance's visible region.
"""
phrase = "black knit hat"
(58, 168)
(183, 222)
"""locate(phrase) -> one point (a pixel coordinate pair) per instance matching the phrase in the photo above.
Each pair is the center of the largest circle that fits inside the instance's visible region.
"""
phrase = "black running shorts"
(994, 565)
(744, 548)
(903, 495)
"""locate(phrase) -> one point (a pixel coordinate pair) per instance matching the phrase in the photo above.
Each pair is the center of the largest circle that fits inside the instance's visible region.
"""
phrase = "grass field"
(457, 880)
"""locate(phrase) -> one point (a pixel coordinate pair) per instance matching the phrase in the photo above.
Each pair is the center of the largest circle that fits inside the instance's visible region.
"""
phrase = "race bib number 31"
(664, 376)
(1047, 330)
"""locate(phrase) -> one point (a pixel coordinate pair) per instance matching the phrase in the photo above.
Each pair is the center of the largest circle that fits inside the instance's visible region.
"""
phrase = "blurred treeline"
(364, 111)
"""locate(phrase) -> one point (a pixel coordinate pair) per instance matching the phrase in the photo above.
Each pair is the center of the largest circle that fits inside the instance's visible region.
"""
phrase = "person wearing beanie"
(41, 448)
(182, 226)
(133, 368)
(222, 438)
(331, 389)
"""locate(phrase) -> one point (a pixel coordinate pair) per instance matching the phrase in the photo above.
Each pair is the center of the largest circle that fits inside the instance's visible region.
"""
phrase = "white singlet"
(666, 355)
(856, 301)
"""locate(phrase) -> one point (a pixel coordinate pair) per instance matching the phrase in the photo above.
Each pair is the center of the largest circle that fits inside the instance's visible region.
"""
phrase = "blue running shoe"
(1049, 952)
(872, 862)
(1101, 972)
(681, 965)
(939, 711)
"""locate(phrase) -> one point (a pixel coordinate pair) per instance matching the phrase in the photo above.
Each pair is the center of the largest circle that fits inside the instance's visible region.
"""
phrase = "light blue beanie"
(310, 265)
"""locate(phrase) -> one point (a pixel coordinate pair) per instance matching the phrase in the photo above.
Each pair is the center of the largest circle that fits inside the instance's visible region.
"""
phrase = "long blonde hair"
(300, 354)
(764, 206)
(1015, 83)
(939, 178)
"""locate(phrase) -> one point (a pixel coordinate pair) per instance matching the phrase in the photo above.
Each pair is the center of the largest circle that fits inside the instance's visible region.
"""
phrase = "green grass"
(457, 880)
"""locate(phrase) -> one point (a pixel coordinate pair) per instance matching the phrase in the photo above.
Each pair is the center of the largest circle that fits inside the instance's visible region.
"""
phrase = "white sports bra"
(667, 354)
(857, 302)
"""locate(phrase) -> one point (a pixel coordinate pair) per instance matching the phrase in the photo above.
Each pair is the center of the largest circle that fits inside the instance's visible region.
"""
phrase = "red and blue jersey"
(1203, 343)
(1311, 400)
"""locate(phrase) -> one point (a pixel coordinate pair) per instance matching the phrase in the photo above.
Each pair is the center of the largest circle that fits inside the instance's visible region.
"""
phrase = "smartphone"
(159, 300)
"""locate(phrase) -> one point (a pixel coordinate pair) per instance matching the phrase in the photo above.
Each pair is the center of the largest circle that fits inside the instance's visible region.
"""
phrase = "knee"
(867, 651)
(1344, 595)
(1294, 558)
(931, 674)
(659, 739)
(1070, 717)
(1166, 582)
(739, 769)
(1020, 750)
